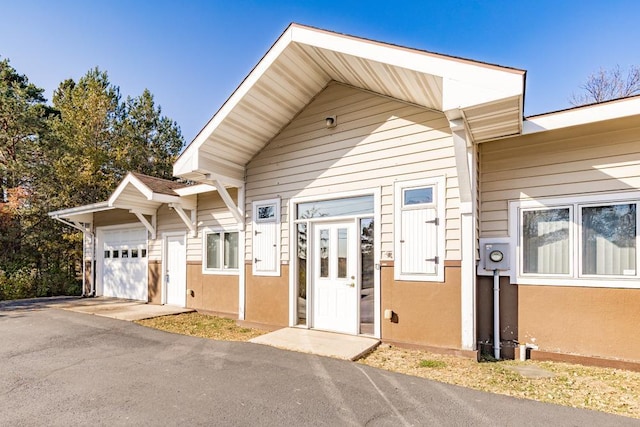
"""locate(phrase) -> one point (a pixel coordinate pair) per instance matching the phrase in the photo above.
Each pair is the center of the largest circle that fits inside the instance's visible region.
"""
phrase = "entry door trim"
(165, 258)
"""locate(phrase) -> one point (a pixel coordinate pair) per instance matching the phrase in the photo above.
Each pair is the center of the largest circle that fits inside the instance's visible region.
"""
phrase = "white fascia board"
(144, 210)
(195, 189)
(255, 74)
(187, 162)
(465, 83)
(130, 179)
(459, 94)
(584, 115)
(164, 198)
(81, 210)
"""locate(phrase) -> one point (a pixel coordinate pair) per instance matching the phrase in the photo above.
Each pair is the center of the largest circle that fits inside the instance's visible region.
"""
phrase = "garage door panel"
(124, 263)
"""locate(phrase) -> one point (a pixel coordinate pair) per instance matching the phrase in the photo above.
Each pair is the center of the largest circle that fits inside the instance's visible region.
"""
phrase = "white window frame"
(575, 278)
(220, 271)
(438, 184)
(277, 220)
(572, 253)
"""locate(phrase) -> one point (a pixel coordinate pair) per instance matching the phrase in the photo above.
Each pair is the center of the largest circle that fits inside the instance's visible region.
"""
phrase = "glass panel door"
(335, 277)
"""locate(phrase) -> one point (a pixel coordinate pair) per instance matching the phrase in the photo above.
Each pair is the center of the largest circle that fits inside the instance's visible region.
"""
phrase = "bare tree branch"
(606, 85)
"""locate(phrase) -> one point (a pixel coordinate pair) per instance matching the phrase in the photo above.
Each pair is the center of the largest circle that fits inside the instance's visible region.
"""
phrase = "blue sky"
(192, 54)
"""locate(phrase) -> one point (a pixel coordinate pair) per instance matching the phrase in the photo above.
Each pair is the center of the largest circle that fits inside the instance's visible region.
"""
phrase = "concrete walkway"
(346, 347)
(120, 308)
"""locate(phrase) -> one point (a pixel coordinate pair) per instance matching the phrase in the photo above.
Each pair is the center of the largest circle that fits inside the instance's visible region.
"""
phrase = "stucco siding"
(377, 141)
(527, 168)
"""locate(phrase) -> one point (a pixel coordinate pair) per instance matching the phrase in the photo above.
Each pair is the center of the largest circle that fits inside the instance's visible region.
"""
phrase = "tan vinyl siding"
(212, 213)
(166, 221)
(376, 142)
(531, 167)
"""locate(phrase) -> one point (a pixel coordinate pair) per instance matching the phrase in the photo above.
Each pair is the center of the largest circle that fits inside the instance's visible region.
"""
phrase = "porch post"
(466, 167)
(241, 254)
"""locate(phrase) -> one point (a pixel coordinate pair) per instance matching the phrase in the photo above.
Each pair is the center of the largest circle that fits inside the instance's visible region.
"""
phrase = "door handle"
(351, 285)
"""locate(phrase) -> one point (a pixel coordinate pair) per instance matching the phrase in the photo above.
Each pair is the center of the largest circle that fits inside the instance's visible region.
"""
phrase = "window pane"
(231, 250)
(609, 240)
(546, 241)
(416, 196)
(144, 253)
(116, 254)
(336, 207)
(366, 276)
(125, 253)
(134, 253)
(107, 254)
(266, 212)
(213, 250)
(302, 273)
(324, 253)
(343, 237)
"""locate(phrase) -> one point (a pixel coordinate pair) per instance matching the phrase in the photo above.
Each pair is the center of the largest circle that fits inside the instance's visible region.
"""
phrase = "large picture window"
(579, 241)
(220, 251)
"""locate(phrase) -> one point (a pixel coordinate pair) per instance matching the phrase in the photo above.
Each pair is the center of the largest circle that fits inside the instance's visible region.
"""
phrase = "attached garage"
(122, 262)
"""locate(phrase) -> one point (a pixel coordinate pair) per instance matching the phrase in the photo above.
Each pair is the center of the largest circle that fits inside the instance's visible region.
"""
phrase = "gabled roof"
(159, 185)
(144, 194)
(304, 60)
(136, 192)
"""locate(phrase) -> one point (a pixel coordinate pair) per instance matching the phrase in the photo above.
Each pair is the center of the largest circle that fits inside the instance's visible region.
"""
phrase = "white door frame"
(99, 249)
(293, 284)
(165, 252)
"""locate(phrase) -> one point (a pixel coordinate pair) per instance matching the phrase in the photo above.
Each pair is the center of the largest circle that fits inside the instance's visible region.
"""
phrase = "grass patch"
(429, 363)
(202, 325)
(614, 391)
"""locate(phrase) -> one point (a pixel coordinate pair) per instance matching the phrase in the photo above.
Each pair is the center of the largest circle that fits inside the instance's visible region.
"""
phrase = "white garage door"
(124, 263)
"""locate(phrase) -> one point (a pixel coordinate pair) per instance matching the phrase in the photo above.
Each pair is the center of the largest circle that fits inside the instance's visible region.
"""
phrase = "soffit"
(304, 60)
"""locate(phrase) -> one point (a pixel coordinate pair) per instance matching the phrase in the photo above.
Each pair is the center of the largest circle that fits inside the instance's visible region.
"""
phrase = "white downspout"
(496, 314)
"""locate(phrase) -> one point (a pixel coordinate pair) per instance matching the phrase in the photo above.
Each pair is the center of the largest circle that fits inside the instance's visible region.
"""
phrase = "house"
(359, 187)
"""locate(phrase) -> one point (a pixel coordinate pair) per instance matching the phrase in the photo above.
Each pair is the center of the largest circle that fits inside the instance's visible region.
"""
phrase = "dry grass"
(201, 325)
(608, 390)
(601, 389)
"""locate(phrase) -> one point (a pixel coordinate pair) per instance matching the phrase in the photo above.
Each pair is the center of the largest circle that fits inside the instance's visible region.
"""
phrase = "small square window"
(417, 196)
(266, 212)
(125, 253)
(107, 254)
(116, 253)
(143, 253)
(134, 253)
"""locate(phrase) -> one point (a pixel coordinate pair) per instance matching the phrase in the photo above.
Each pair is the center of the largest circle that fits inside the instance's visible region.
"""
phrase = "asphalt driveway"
(65, 368)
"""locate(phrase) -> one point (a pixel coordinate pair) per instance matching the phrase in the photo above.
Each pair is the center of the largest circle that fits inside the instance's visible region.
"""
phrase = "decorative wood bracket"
(150, 226)
(190, 222)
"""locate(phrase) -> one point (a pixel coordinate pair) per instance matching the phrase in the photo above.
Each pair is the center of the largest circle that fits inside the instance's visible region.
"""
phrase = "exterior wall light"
(331, 121)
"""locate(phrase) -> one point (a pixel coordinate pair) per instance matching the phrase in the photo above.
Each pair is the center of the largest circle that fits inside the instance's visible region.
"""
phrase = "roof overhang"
(81, 213)
(579, 116)
(134, 195)
(304, 60)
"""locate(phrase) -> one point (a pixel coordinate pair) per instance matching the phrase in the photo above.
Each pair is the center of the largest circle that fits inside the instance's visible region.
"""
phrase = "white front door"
(335, 281)
(175, 276)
